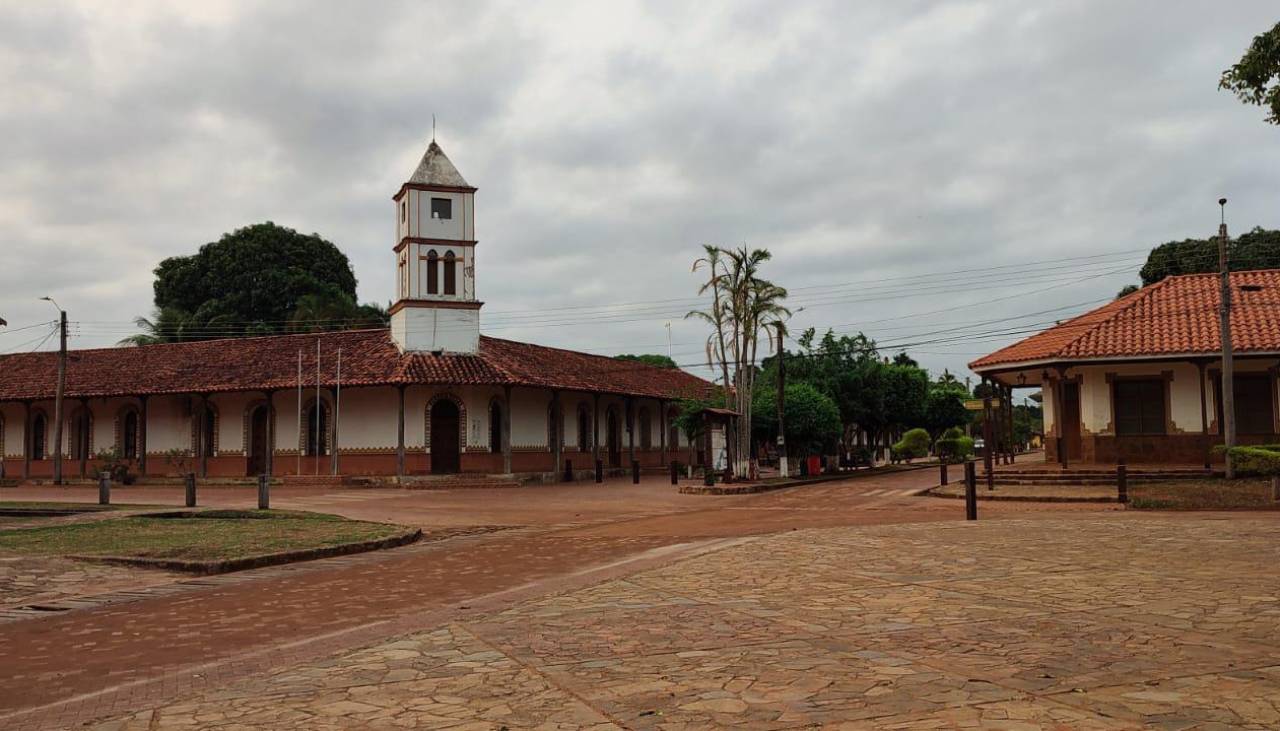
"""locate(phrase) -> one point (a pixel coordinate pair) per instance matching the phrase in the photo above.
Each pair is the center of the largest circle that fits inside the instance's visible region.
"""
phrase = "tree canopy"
(258, 279)
(1257, 249)
(658, 361)
(1256, 78)
(812, 419)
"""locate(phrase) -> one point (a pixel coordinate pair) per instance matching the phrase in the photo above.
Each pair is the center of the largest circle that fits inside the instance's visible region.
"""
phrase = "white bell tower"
(436, 310)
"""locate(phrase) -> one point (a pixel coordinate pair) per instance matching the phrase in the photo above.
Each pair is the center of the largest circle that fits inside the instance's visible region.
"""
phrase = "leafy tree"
(657, 361)
(258, 279)
(1257, 249)
(329, 311)
(944, 407)
(812, 419)
(1027, 420)
(1127, 290)
(1256, 78)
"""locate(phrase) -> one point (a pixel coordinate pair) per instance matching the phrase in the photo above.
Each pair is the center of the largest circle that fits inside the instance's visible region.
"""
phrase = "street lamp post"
(62, 387)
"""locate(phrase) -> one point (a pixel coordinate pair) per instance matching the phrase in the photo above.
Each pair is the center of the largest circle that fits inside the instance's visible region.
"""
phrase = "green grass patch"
(1207, 494)
(203, 536)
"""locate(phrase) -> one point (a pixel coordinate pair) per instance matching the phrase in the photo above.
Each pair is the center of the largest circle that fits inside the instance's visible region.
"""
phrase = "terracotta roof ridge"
(1129, 301)
(230, 338)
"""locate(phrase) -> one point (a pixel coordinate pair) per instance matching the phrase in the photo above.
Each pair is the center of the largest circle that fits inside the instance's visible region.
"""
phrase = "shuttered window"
(1139, 407)
(1253, 404)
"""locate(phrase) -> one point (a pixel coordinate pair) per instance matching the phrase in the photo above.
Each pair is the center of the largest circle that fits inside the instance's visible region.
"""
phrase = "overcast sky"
(872, 147)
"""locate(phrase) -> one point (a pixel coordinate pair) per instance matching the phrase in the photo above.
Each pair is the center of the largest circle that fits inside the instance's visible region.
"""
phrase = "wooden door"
(257, 462)
(613, 439)
(1071, 419)
(445, 451)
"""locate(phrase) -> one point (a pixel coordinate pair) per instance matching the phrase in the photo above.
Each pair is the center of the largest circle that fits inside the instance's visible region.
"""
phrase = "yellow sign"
(976, 404)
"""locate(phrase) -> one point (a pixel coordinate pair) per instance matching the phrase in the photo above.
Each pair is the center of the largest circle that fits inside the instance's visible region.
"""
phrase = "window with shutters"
(1139, 407)
(1253, 402)
(450, 274)
(433, 272)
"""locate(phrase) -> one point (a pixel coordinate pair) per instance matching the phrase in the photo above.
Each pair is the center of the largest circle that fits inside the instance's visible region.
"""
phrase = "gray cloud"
(858, 141)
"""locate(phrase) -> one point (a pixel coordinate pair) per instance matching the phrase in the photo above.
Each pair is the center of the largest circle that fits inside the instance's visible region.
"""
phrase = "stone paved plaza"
(1097, 621)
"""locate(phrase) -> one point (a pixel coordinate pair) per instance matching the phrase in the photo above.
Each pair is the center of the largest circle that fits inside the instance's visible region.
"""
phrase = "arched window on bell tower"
(450, 273)
(433, 272)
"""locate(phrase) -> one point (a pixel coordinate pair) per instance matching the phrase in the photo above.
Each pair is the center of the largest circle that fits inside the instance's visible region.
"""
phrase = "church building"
(428, 396)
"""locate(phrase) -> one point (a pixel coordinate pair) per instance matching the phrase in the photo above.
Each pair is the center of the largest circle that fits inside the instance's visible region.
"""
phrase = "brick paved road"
(62, 670)
(1009, 624)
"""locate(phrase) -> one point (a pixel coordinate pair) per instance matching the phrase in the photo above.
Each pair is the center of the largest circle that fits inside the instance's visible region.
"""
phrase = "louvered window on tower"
(441, 208)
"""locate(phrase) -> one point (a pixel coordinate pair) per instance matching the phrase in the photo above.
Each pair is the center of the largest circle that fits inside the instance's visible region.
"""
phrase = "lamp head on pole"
(53, 302)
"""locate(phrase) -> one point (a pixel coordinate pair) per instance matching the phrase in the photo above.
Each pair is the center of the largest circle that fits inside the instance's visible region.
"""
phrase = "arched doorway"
(81, 424)
(129, 435)
(613, 438)
(258, 444)
(39, 435)
(445, 447)
(495, 427)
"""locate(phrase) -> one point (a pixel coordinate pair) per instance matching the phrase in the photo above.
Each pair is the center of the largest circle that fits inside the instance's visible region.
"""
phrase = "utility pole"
(62, 387)
(782, 385)
(1228, 365)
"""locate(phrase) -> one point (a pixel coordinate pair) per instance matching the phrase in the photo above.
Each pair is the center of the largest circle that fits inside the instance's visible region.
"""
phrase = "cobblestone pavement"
(1102, 621)
(34, 580)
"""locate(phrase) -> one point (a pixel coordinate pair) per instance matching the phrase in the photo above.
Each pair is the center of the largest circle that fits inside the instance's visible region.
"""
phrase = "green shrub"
(915, 443)
(954, 446)
(1255, 460)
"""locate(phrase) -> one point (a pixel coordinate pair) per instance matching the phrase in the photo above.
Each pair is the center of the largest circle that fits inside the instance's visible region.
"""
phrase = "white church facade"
(429, 395)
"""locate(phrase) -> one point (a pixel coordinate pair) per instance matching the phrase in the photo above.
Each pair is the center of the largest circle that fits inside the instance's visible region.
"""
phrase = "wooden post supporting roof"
(506, 430)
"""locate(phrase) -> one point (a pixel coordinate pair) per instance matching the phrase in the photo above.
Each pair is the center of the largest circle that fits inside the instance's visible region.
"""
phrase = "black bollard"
(635, 472)
(675, 473)
(599, 470)
(104, 488)
(1122, 483)
(189, 482)
(568, 470)
(708, 476)
(942, 473)
(264, 492)
(970, 491)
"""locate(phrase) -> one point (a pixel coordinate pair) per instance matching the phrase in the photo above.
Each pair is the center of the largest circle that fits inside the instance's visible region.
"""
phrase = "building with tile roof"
(1140, 378)
(428, 395)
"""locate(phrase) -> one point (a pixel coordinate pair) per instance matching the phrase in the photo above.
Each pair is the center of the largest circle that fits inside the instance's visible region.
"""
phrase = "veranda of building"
(1140, 378)
(229, 408)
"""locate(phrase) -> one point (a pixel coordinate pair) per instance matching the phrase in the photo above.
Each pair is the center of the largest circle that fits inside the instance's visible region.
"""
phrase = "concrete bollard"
(635, 472)
(970, 490)
(1122, 483)
(104, 488)
(189, 482)
(264, 492)
(599, 470)
(942, 473)
(568, 470)
(675, 473)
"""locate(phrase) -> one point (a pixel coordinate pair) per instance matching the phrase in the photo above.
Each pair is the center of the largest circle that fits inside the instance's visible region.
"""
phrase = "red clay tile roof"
(1174, 317)
(369, 357)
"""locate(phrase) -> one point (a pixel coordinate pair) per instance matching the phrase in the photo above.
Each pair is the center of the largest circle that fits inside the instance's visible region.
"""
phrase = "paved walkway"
(1113, 621)
(109, 660)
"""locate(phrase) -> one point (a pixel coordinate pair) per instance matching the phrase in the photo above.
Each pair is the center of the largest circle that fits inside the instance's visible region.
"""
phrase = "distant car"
(979, 444)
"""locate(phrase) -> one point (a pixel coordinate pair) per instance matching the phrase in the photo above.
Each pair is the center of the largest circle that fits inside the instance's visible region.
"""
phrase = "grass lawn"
(205, 536)
(1207, 494)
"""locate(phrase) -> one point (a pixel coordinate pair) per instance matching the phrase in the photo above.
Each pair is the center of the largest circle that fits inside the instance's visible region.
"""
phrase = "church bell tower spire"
(436, 309)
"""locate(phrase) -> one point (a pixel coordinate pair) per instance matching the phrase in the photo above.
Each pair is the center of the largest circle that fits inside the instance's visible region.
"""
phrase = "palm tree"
(742, 303)
(166, 325)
